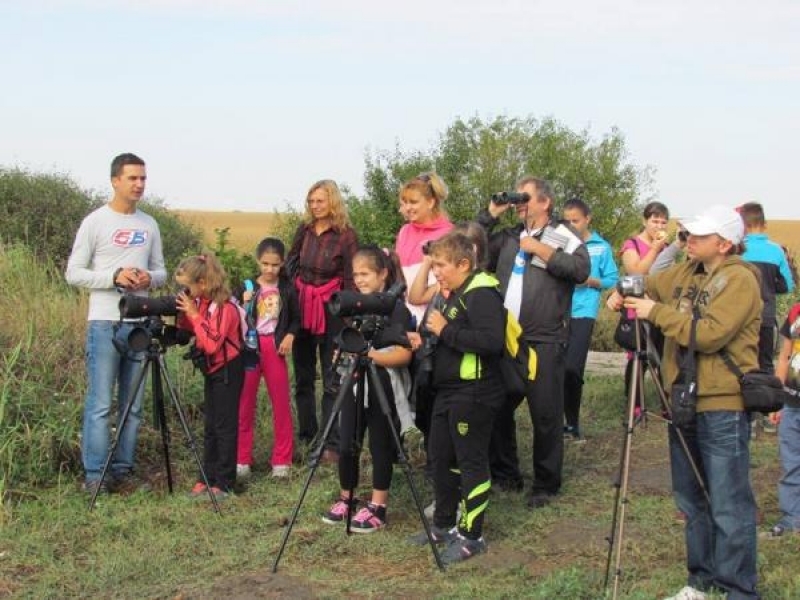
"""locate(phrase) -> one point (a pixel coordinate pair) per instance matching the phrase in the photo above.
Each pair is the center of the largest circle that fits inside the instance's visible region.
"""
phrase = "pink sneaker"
(370, 518)
(338, 512)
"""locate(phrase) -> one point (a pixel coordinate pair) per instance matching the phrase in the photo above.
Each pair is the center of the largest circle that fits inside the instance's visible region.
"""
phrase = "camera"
(135, 307)
(351, 304)
(370, 313)
(141, 336)
(426, 247)
(510, 198)
(631, 285)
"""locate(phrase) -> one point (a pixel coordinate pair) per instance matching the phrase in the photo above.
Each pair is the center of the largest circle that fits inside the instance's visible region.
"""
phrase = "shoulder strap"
(730, 364)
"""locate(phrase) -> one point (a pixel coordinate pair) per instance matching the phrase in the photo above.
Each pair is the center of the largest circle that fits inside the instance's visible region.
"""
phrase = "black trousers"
(580, 337)
(459, 447)
(766, 348)
(545, 398)
(354, 420)
(221, 423)
(305, 349)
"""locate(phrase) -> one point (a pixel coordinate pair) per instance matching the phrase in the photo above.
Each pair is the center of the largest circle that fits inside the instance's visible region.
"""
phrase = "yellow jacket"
(729, 303)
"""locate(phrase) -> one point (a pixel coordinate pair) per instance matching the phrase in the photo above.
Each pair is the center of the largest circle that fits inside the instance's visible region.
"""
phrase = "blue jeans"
(789, 485)
(106, 369)
(720, 536)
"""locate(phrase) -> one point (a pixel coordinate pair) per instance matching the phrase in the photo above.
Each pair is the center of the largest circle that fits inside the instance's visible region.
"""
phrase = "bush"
(42, 211)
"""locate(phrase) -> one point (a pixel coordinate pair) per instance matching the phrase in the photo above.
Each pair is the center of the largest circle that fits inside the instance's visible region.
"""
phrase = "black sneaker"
(439, 536)
(90, 486)
(461, 548)
(129, 483)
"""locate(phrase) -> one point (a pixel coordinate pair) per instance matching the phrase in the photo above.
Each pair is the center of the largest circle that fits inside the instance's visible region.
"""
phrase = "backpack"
(519, 363)
(249, 340)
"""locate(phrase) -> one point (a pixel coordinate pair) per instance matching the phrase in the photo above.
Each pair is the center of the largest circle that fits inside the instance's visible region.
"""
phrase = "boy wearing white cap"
(721, 531)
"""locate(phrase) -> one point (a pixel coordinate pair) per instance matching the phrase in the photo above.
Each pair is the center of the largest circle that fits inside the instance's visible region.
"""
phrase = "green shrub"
(42, 211)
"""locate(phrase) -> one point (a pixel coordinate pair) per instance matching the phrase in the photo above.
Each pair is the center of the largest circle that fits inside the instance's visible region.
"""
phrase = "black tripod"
(356, 366)
(642, 363)
(154, 357)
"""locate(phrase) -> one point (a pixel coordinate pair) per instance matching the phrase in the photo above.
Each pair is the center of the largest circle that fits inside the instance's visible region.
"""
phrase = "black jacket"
(471, 344)
(546, 293)
(289, 317)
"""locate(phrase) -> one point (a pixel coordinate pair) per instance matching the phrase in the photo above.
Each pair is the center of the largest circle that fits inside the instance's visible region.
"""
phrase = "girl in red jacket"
(207, 310)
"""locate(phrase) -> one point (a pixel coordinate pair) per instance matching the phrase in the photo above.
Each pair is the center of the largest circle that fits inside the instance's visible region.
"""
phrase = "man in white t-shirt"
(117, 250)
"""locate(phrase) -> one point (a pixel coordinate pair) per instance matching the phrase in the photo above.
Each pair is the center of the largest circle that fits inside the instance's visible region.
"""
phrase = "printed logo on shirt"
(463, 428)
(130, 238)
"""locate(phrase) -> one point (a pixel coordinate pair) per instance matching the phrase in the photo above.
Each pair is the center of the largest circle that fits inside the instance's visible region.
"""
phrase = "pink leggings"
(275, 371)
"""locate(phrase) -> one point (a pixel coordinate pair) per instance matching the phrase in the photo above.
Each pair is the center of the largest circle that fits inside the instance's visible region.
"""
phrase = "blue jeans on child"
(720, 537)
(789, 485)
(106, 369)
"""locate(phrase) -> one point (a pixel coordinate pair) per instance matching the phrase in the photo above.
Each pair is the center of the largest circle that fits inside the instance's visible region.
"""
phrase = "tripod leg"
(621, 484)
(187, 432)
(347, 383)
(375, 383)
(160, 419)
(123, 419)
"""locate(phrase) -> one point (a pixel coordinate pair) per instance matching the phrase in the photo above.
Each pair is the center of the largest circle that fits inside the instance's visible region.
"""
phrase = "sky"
(243, 104)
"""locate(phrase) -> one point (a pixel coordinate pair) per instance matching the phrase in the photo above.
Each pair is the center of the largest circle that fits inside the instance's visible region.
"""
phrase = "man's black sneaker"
(90, 486)
(128, 483)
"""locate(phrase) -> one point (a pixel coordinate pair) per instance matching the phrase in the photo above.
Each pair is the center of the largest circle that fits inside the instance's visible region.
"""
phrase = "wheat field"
(248, 228)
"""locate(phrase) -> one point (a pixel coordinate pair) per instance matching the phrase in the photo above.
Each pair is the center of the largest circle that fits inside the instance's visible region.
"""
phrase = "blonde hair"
(206, 267)
(455, 247)
(339, 218)
(431, 186)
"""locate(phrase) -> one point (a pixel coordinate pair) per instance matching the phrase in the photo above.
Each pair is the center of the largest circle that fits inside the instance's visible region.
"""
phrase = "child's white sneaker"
(280, 471)
(242, 472)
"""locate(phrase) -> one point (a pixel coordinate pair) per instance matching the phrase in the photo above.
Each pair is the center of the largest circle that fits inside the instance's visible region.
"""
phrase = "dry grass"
(246, 228)
(786, 233)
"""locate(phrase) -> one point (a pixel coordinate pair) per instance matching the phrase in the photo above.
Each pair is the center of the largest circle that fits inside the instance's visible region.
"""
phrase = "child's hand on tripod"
(642, 306)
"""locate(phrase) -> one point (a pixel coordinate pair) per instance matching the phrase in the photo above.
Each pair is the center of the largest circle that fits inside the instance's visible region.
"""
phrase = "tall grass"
(42, 370)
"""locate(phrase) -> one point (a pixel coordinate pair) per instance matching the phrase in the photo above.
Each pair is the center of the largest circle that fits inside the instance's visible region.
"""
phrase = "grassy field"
(166, 546)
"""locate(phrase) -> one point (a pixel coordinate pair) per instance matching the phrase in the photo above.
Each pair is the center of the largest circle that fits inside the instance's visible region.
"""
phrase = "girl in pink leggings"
(272, 309)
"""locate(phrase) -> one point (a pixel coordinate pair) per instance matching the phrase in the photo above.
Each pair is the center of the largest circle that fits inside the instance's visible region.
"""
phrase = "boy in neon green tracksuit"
(469, 388)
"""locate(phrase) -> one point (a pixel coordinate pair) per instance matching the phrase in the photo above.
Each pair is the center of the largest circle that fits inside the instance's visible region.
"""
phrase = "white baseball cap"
(722, 220)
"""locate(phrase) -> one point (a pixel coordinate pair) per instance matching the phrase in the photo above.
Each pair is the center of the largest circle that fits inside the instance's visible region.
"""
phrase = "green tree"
(477, 158)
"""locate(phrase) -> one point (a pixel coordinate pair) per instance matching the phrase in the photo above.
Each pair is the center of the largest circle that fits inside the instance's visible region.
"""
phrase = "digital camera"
(631, 285)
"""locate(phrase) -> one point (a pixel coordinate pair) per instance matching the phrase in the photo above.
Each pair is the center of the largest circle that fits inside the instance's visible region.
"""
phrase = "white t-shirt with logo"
(106, 241)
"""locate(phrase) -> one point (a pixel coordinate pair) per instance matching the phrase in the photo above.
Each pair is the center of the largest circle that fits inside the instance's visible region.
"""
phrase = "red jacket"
(217, 332)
